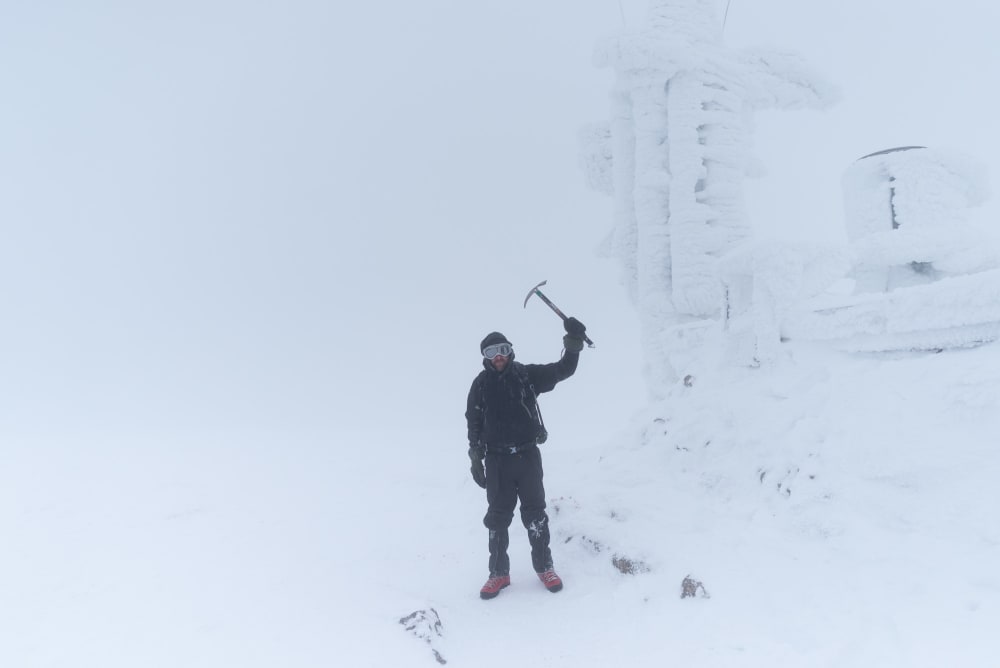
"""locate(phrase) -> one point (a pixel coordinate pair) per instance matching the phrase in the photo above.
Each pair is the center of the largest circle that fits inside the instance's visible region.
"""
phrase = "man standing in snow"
(505, 428)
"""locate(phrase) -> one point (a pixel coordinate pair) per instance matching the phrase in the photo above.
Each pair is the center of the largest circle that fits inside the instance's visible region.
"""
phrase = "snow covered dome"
(905, 208)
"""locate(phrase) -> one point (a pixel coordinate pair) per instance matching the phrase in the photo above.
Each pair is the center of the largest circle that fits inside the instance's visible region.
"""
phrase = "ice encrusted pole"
(679, 150)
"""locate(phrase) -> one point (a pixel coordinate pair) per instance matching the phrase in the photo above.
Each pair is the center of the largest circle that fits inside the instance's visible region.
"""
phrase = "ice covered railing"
(918, 274)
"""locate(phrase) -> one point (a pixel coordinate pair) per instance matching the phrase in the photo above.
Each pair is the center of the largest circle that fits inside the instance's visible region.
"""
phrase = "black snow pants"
(510, 477)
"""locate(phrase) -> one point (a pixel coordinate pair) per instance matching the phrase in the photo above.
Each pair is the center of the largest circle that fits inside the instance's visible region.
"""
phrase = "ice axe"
(536, 291)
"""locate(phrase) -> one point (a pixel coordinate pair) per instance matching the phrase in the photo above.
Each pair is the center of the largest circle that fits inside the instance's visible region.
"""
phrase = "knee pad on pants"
(496, 520)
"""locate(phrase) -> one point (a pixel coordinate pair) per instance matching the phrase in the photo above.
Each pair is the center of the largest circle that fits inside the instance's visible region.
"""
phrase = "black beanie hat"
(492, 338)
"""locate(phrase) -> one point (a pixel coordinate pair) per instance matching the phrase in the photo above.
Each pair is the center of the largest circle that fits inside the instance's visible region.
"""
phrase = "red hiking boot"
(550, 580)
(494, 585)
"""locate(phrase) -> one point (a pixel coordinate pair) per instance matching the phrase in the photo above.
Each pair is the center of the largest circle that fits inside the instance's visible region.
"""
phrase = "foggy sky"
(225, 214)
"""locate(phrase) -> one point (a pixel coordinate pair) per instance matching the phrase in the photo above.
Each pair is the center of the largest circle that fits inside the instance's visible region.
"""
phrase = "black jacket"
(502, 410)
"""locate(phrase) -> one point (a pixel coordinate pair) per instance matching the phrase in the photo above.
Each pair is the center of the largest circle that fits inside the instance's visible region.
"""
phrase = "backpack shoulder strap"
(525, 378)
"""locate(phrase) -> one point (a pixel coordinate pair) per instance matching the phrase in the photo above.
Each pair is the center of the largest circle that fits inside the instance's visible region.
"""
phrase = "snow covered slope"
(838, 511)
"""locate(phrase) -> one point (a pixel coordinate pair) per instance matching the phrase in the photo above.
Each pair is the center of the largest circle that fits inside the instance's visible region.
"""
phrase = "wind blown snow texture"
(876, 530)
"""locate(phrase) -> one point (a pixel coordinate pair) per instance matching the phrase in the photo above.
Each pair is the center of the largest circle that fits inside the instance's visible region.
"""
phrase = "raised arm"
(545, 376)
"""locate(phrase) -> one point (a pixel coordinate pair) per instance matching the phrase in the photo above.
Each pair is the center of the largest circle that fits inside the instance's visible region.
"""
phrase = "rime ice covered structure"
(674, 155)
(920, 273)
(926, 277)
(917, 274)
(907, 214)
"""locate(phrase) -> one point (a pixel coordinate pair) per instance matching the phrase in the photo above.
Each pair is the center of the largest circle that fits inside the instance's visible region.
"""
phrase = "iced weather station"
(253, 252)
(914, 276)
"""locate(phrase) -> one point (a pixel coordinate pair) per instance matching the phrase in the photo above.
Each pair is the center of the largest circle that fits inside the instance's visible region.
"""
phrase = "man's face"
(498, 354)
(500, 362)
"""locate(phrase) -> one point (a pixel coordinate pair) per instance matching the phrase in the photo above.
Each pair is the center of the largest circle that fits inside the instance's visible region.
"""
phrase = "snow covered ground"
(838, 510)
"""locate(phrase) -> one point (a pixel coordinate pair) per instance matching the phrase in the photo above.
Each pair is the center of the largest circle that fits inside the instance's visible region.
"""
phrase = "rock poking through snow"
(426, 625)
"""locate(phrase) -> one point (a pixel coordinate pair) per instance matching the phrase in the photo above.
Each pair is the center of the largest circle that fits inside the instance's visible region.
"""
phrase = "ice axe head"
(536, 291)
(532, 291)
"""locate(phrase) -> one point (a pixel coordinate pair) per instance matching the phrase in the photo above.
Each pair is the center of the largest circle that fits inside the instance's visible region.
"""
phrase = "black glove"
(575, 331)
(575, 328)
(476, 454)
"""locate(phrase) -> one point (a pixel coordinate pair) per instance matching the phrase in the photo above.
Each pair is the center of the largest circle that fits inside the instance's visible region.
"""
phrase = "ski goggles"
(505, 349)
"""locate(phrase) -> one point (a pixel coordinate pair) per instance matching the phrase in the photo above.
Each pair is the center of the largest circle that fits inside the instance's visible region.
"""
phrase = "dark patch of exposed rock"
(690, 588)
(629, 566)
(425, 625)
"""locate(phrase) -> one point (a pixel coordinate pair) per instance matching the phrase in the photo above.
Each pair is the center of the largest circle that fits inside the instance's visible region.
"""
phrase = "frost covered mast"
(674, 156)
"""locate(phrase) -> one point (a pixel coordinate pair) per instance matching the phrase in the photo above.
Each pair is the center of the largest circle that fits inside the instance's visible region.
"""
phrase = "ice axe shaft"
(541, 295)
